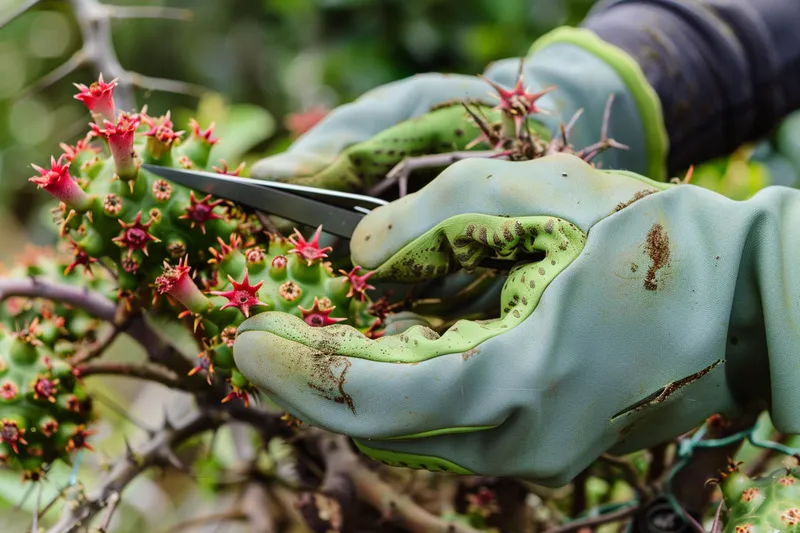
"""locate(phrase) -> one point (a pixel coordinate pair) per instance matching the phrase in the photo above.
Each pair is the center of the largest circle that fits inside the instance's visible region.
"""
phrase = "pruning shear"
(338, 212)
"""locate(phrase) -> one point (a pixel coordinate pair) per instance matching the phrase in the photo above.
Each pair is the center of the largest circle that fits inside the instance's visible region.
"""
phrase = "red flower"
(120, 137)
(80, 258)
(135, 236)
(204, 135)
(358, 284)
(299, 123)
(518, 102)
(162, 136)
(98, 97)
(12, 434)
(78, 439)
(201, 211)
(242, 295)
(177, 282)
(224, 169)
(71, 152)
(57, 181)
(308, 250)
(317, 317)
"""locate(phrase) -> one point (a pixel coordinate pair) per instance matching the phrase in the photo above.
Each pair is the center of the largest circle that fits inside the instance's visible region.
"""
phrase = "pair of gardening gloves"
(638, 307)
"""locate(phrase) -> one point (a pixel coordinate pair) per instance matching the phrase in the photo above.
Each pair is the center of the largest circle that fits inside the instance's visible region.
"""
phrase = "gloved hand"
(358, 143)
(654, 307)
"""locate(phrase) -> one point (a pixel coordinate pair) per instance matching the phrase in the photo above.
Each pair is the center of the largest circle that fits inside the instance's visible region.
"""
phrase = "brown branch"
(402, 170)
(232, 515)
(135, 371)
(92, 302)
(155, 452)
(87, 353)
(629, 474)
(346, 472)
(94, 21)
(595, 521)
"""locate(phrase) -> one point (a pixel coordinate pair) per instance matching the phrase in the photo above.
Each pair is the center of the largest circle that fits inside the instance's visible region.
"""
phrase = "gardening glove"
(357, 144)
(637, 310)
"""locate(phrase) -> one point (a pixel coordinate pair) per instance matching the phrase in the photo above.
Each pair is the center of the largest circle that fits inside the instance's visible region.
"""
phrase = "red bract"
(98, 97)
(71, 152)
(162, 136)
(176, 281)
(299, 123)
(80, 258)
(120, 137)
(200, 211)
(204, 135)
(46, 389)
(308, 250)
(57, 181)
(518, 102)
(224, 169)
(318, 317)
(358, 284)
(242, 295)
(135, 236)
(12, 434)
(78, 439)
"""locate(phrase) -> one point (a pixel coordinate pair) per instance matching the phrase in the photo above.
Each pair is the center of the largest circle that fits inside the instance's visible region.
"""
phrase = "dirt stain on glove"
(657, 247)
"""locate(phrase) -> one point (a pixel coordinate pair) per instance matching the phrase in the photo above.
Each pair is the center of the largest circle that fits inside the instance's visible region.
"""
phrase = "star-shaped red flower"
(358, 284)
(135, 236)
(308, 250)
(201, 211)
(98, 97)
(518, 102)
(316, 317)
(242, 295)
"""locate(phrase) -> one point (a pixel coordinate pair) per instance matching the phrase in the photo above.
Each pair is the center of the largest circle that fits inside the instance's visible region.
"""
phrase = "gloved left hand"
(654, 307)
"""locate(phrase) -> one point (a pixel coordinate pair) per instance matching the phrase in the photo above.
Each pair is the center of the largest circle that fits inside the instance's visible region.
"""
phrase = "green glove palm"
(654, 307)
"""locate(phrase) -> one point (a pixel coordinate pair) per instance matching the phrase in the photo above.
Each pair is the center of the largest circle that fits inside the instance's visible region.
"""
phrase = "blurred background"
(264, 70)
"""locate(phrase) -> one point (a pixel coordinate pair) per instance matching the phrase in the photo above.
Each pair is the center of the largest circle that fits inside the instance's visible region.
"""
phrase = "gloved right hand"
(654, 307)
(358, 143)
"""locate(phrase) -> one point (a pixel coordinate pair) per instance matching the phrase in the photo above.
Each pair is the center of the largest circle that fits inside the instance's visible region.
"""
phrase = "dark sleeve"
(726, 71)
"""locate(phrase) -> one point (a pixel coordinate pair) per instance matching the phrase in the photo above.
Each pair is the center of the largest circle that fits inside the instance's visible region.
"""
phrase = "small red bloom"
(242, 295)
(317, 317)
(12, 434)
(299, 123)
(57, 181)
(201, 211)
(78, 439)
(45, 388)
(204, 366)
(237, 393)
(71, 152)
(358, 284)
(224, 169)
(80, 258)
(135, 236)
(279, 262)
(308, 250)
(162, 136)
(98, 97)
(8, 391)
(518, 102)
(204, 135)
(49, 428)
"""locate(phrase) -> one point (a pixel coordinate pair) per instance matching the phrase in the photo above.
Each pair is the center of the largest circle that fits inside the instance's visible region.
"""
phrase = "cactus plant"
(176, 251)
(766, 504)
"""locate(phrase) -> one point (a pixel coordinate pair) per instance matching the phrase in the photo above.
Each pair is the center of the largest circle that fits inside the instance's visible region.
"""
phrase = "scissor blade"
(339, 221)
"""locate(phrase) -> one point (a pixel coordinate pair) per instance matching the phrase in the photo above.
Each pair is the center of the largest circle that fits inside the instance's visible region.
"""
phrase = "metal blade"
(339, 221)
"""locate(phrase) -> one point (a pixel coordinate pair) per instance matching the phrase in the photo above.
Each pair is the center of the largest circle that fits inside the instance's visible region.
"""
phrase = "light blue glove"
(654, 307)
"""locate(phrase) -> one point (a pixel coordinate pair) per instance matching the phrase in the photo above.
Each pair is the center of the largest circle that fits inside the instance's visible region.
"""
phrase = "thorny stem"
(593, 522)
(401, 172)
(629, 474)
(142, 372)
(342, 462)
(123, 472)
(231, 515)
(96, 349)
(94, 20)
